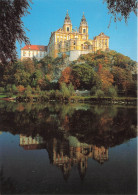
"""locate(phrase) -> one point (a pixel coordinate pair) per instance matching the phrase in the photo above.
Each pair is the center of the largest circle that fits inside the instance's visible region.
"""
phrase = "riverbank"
(75, 99)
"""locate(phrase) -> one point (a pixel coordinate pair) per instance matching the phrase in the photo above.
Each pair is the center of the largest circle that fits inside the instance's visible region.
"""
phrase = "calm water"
(67, 149)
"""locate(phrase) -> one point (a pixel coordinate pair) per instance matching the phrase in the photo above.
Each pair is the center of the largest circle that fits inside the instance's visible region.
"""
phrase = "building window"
(24, 53)
(58, 40)
(84, 30)
(29, 53)
(74, 43)
(67, 29)
(106, 42)
(40, 54)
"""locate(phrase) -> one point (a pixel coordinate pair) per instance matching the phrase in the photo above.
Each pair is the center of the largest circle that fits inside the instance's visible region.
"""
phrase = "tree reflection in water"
(70, 133)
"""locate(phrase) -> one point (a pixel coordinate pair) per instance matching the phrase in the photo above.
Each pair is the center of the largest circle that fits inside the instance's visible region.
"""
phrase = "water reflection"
(99, 125)
(72, 135)
(67, 153)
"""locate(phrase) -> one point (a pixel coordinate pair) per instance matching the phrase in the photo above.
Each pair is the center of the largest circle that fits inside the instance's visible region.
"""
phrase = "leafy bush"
(14, 89)
(65, 91)
(112, 92)
(99, 93)
(71, 89)
(93, 90)
(2, 89)
(28, 90)
(58, 95)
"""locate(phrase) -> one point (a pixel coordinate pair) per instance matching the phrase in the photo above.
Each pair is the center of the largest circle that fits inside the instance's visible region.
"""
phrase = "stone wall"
(74, 55)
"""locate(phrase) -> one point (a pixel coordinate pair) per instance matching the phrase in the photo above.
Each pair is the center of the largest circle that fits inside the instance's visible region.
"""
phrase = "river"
(54, 148)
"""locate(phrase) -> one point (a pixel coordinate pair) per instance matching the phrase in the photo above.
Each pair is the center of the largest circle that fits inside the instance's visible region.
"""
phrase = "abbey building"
(71, 42)
(74, 42)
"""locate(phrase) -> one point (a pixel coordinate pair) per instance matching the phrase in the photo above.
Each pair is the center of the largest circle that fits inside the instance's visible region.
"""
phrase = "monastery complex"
(68, 41)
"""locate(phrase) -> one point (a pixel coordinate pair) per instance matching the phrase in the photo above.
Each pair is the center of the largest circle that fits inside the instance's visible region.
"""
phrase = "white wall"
(35, 54)
(74, 55)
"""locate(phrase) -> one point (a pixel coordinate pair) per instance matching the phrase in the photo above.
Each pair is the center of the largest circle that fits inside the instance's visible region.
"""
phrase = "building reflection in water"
(66, 153)
(29, 143)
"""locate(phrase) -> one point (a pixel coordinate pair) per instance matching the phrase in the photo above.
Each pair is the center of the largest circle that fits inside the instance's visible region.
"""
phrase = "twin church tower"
(68, 41)
(74, 42)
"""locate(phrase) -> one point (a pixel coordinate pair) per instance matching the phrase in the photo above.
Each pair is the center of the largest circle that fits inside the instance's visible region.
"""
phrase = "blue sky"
(47, 16)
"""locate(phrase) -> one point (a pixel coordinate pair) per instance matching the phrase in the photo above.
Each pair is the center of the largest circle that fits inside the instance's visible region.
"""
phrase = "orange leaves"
(122, 77)
(66, 76)
(100, 67)
(49, 77)
(21, 88)
(107, 79)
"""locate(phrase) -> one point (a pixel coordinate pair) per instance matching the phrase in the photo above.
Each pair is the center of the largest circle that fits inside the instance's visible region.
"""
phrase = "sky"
(47, 16)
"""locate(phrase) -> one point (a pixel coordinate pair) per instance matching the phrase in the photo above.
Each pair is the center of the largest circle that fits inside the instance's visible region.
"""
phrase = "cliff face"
(58, 68)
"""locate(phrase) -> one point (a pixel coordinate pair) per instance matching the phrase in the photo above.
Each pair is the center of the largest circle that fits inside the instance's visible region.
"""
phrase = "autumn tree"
(106, 78)
(66, 76)
(122, 78)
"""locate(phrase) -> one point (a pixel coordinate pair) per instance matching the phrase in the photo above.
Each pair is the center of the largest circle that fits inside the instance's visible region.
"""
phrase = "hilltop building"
(30, 51)
(73, 43)
(69, 42)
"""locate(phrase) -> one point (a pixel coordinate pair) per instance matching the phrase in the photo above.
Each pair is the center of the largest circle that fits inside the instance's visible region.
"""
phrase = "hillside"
(108, 72)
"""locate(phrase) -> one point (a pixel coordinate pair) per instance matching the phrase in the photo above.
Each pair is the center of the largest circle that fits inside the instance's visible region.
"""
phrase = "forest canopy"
(103, 72)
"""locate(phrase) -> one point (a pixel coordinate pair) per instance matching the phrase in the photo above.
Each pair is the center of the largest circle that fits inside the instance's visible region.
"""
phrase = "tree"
(106, 78)
(66, 76)
(84, 76)
(122, 78)
(123, 8)
(12, 27)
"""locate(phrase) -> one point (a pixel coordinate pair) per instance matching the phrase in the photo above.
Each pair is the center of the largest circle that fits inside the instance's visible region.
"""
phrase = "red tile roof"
(35, 47)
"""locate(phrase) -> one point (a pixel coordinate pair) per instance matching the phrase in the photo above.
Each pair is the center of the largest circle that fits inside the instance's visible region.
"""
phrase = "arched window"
(67, 29)
(84, 30)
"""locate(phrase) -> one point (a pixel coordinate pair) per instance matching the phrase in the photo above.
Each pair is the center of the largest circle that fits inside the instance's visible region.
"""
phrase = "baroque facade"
(74, 42)
(68, 41)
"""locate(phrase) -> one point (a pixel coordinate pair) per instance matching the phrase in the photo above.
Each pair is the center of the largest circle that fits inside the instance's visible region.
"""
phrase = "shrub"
(20, 88)
(112, 92)
(51, 94)
(71, 89)
(28, 90)
(14, 89)
(2, 89)
(58, 95)
(65, 91)
(38, 89)
(99, 93)
(93, 90)
(8, 88)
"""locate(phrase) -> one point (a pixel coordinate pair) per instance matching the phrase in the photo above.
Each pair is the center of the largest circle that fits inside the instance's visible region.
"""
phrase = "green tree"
(112, 92)
(85, 75)
(12, 27)
(28, 90)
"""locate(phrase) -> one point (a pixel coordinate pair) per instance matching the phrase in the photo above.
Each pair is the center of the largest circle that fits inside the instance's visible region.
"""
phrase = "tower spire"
(67, 16)
(67, 26)
(83, 20)
(83, 25)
